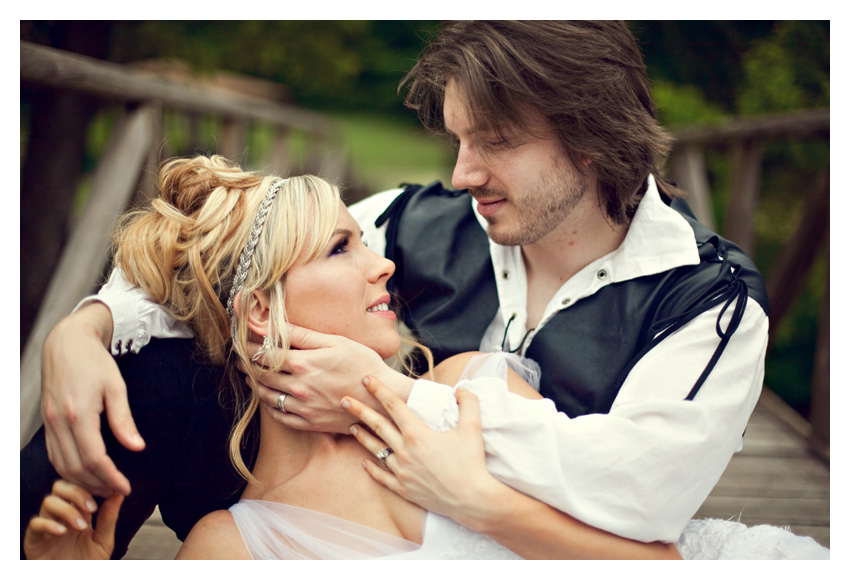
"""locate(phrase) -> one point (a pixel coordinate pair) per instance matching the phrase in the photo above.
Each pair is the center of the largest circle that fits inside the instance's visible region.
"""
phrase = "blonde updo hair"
(183, 252)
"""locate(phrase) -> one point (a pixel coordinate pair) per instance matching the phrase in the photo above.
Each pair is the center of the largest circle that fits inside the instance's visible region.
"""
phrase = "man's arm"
(642, 470)
(462, 489)
(80, 380)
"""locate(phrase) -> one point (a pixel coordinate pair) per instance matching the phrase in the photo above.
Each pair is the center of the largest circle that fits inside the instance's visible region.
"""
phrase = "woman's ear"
(258, 313)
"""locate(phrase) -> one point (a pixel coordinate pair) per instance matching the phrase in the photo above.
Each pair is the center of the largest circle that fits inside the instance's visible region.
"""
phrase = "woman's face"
(344, 291)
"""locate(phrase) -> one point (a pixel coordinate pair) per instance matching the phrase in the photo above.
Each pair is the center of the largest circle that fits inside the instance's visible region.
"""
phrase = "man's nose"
(470, 171)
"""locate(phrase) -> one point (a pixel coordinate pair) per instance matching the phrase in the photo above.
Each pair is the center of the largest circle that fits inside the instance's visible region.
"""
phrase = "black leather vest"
(447, 293)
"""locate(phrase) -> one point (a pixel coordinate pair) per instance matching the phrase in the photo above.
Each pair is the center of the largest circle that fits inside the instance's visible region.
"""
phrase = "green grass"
(384, 151)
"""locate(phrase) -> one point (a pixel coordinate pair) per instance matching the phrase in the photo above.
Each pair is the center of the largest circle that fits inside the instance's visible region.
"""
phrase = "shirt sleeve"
(135, 317)
(642, 470)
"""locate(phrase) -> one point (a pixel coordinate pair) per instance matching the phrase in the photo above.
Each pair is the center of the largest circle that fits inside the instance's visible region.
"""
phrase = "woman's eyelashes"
(341, 246)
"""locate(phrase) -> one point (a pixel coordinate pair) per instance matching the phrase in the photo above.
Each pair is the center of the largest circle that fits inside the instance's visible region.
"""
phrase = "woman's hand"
(443, 472)
(80, 380)
(318, 371)
(63, 528)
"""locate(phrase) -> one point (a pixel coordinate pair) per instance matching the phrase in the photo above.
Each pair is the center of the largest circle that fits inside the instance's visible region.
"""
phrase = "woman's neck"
(284, 453)
(323, 472)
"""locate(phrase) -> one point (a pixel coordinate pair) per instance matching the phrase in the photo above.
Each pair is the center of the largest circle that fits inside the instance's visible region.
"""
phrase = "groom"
(559, 241)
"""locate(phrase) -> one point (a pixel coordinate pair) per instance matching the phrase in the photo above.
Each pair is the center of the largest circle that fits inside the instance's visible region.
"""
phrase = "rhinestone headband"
(248, 251)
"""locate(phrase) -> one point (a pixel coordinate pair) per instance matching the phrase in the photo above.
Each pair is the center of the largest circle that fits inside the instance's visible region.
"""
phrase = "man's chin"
(502, 236)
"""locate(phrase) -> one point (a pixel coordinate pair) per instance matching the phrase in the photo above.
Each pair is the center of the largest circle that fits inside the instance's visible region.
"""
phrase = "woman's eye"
(340, 247)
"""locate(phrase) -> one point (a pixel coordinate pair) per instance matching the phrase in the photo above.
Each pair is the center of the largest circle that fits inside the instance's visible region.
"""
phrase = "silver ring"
(383, 454)
(280, 400)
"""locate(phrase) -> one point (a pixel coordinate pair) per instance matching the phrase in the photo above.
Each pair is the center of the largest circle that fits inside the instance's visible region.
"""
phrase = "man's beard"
(539, 209)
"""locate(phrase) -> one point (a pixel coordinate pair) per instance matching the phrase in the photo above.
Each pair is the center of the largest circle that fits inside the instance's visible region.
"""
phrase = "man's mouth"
(489, 207)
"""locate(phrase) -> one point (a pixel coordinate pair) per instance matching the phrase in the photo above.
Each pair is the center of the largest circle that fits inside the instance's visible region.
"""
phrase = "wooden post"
(743, 195)
(146, 188)
(819, 410)
(688, 170)
(233, 140)
(279, 157)
(788, 273)
(82, 258)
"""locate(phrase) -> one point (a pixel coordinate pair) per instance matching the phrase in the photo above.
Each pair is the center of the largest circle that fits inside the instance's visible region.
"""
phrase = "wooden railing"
(744, 141)
(124, 169)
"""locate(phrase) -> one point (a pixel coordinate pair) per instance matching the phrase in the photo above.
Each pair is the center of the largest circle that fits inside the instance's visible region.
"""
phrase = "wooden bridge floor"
(775, 480)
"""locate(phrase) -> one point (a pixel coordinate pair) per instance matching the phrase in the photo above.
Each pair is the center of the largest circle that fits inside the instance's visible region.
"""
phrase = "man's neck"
(584, 237)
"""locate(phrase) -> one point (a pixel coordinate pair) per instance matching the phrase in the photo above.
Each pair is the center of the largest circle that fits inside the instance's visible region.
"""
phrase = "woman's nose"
(382, 268)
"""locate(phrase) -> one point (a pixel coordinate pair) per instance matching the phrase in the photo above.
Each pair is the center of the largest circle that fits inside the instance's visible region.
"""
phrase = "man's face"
(525, 188)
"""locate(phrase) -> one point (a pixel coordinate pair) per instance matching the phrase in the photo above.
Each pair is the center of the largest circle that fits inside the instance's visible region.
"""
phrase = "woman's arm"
(214, 537)
(458, 485)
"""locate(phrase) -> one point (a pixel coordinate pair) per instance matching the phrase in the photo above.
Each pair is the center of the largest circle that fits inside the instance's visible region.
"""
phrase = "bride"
(237, 256)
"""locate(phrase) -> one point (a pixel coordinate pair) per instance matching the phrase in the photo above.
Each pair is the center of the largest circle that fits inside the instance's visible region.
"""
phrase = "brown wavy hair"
(587, 78)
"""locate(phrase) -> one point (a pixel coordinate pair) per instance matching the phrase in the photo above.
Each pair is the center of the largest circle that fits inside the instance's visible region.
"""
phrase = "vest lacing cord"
(505, 336)
(736, 292)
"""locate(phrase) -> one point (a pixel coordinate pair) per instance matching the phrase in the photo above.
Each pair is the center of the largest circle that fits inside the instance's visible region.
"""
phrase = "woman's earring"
(267, 345)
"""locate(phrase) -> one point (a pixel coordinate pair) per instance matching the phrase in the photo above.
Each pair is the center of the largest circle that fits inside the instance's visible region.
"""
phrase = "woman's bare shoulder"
(214, 537)
(450, 370)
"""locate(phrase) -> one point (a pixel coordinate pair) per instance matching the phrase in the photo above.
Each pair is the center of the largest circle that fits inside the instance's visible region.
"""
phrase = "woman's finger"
(380, 425)
(107, 518)
(76, 495)
(57, 509)
(395, 406)
(373, 445)
(469, 410)
(40, 526)
(278, 400)
(384, 477)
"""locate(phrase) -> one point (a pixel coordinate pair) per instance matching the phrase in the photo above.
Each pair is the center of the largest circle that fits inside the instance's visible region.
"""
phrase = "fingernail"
(81, 524)
(60, 528)
(345, 404)
(366, 381)
(91, 506)
(353, 429)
